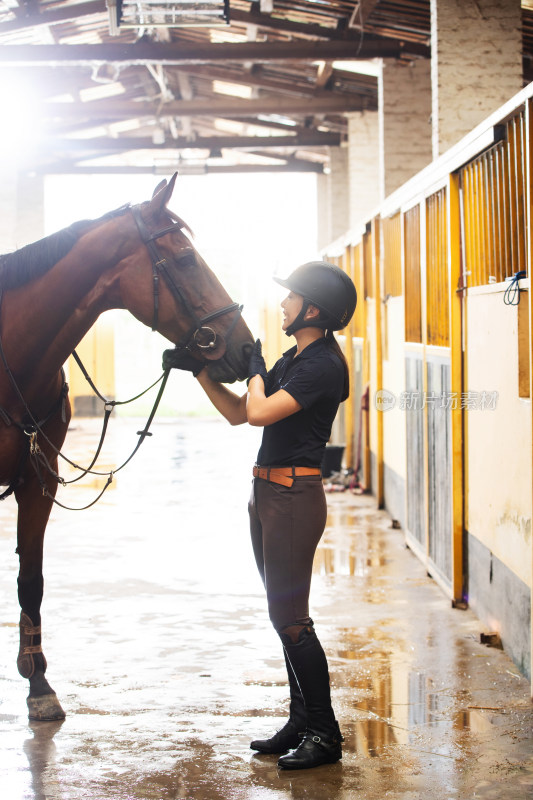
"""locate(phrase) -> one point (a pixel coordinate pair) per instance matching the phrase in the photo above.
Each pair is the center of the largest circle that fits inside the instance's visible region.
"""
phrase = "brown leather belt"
(284, 475)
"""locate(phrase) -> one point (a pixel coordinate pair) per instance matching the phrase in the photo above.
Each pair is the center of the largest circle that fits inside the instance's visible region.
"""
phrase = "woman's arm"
(230, 405)
(253, 407)
(262, 410)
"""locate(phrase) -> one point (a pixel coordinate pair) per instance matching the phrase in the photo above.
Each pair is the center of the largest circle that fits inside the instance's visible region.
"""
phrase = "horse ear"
(162, 194)
(159, 187)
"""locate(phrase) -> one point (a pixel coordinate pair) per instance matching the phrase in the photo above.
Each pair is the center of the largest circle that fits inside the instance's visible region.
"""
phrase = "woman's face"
(291, 306)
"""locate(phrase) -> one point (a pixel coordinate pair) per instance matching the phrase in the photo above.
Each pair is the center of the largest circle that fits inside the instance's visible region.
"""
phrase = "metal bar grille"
(392, 256)
(358, 317)
(438, 325)
(494, 192)
(367, 261)
(413, 294)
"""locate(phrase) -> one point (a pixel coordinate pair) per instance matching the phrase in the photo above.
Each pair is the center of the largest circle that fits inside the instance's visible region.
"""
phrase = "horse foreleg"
(34, 511)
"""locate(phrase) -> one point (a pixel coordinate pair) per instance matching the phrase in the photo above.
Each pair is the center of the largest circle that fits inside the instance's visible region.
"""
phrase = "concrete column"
(404, 109)
(339, 191)
(333, 198)
(476, 63)
(363, 165)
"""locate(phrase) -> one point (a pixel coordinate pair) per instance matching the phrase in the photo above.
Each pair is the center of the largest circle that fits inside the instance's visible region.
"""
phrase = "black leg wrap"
(30, 655)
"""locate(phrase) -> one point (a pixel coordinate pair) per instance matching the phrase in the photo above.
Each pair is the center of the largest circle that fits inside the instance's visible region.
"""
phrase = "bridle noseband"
(200, 335)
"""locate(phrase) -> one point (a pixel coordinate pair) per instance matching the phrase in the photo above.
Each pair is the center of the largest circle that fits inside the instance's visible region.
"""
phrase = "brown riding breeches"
(286, 524)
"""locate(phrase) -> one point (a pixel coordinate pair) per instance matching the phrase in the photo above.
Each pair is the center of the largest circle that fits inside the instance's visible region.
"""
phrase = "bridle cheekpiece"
(200, 335)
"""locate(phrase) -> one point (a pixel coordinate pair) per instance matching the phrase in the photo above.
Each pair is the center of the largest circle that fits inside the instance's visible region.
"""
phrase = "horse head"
(173, 289)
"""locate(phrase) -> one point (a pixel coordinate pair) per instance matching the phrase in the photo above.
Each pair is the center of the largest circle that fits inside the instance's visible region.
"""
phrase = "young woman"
(295, 402)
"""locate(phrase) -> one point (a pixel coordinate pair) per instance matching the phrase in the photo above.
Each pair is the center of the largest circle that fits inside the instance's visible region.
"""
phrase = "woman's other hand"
(257, 364)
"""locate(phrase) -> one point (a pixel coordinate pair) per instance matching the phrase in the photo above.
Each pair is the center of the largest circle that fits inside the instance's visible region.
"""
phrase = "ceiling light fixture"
(166, 14)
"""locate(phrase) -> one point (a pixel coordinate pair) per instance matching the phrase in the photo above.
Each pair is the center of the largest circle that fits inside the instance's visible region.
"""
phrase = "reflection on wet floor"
(162, 655)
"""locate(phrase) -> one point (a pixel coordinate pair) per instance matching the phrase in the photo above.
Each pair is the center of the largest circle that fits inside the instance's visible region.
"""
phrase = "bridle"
(200, 335)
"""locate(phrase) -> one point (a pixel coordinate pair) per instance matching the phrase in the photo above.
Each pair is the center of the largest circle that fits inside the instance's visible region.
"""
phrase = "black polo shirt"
(315, 379)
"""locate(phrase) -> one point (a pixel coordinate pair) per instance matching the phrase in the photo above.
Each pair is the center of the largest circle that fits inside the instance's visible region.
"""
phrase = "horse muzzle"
(233, 365)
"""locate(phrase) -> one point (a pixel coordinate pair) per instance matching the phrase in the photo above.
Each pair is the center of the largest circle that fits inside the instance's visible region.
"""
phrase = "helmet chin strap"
(300, 322)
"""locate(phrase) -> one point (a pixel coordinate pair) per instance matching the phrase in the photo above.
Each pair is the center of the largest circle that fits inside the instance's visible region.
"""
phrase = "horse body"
(41, 322)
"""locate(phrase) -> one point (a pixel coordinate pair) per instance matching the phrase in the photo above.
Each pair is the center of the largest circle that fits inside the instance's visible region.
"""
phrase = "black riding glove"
(182, 359)
(257, 364)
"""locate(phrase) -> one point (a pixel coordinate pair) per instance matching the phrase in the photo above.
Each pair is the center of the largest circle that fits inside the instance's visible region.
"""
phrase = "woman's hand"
(257, 364)
(175, 358)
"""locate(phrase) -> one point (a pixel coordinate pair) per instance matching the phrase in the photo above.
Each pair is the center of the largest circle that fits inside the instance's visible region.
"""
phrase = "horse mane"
(34, 260)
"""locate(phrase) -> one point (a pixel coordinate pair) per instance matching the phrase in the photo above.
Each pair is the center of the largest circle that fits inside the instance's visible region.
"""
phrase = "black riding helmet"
(328, 288)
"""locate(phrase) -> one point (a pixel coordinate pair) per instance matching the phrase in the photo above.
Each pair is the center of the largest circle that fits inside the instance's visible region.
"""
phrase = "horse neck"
(43, 321)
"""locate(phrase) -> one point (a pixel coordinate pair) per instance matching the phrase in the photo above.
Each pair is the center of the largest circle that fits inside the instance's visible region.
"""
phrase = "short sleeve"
(314, 380)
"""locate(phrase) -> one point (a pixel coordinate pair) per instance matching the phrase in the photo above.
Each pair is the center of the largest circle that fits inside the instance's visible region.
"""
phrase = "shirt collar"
(308, 351)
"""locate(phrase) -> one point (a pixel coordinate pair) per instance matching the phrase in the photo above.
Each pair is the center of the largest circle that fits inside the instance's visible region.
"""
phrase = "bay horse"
(51, 292)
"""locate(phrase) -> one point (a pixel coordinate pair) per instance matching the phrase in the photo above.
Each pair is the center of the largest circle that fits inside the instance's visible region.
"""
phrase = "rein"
(34, 428)
(195, 337)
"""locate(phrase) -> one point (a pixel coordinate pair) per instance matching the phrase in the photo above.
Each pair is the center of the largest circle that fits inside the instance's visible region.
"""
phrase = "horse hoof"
(45, 708)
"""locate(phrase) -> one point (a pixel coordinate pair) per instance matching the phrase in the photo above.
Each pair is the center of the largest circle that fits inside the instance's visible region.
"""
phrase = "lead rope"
(33, 430)
(38, 459)
(108, 409)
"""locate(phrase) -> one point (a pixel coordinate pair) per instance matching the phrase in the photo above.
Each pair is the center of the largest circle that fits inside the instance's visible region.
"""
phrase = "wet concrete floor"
(161, 653)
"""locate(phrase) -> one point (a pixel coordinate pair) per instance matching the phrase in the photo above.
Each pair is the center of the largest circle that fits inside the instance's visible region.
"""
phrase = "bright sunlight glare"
(20, 118)
(247, 228)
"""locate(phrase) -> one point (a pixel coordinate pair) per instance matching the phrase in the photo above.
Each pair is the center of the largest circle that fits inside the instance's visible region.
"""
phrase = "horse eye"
(187, 260)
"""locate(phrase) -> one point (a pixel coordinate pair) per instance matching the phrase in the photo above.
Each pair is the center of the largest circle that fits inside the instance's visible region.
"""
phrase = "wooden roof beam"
(292, 165)
(323, 74)
(167, 54)
(365, 85)
(282, 24)
(124, 144)
(361, 12)
(55, 15)
(209, 107)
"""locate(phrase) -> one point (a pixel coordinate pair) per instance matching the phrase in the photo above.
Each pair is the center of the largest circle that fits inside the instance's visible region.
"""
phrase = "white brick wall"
(363, 165)
(340, 191)
(404, 92)
(476, 64)
(333, 198)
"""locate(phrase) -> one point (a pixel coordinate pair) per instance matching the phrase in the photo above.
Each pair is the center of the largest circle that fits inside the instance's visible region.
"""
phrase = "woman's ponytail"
(333, 345)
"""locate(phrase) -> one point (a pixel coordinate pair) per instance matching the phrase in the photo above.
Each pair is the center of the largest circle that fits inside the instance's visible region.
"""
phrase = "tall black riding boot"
(322, 741)
(292, 733)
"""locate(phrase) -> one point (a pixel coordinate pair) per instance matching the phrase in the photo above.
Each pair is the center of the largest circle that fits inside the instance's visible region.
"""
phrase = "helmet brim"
(282, 282)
